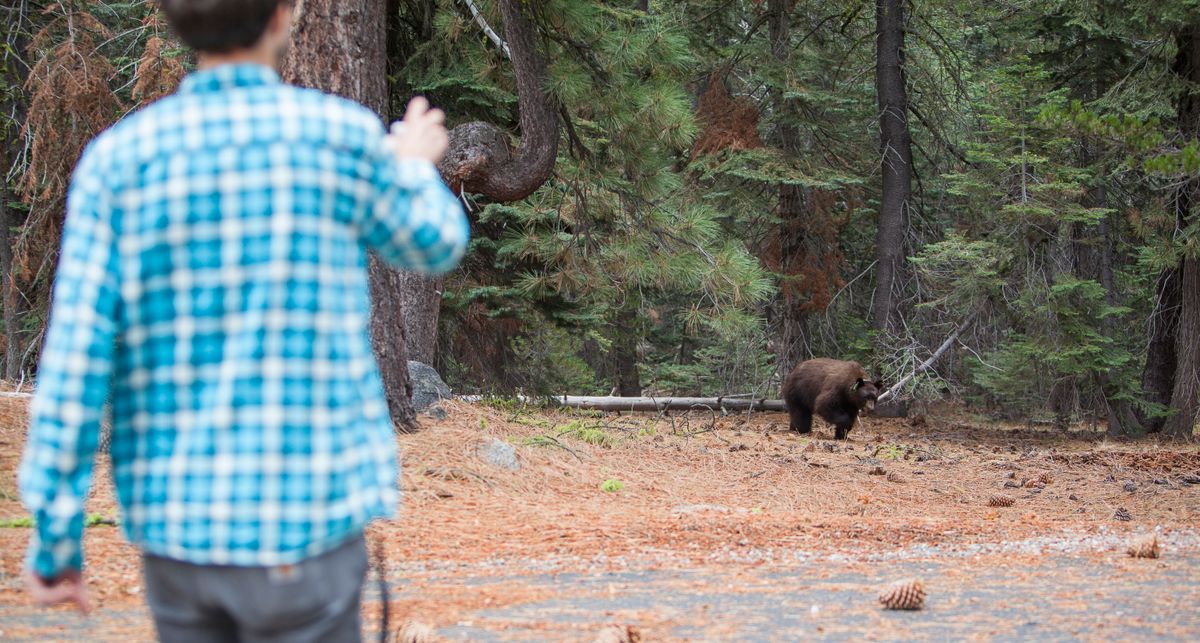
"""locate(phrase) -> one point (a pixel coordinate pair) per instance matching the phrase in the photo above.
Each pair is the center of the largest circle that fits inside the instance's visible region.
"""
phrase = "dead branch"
(924, 366)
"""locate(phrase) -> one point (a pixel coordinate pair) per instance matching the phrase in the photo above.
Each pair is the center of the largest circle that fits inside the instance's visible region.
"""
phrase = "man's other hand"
(422, 133)
(66, 588)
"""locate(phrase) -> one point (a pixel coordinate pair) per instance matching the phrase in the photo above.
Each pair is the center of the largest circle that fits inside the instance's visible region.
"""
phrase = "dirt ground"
(709, 506)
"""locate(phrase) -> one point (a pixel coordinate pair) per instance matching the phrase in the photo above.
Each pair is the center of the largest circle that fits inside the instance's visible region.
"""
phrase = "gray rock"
(436, 412)
(498, 454)
(427, 386)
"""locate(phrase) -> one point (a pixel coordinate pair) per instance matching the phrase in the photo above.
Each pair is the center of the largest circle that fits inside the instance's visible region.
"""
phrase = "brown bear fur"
(833, 389)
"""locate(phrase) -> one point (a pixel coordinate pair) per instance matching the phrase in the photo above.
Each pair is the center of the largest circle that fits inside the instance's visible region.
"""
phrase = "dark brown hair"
(219, 26)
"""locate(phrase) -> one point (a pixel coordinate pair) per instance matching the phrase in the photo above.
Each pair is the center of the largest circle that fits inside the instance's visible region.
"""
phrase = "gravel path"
(1066, 588)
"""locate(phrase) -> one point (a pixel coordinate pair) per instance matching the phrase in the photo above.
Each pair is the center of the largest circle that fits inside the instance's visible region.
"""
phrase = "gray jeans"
(314, 600)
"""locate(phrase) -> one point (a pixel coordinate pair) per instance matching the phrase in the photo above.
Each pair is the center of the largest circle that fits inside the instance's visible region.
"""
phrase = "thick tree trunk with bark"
(1185, 377)
(1158, 376)
(482, 161)
(341, 47)
(789, 316)
(1185, 397)
(420, 298)
(895, 158)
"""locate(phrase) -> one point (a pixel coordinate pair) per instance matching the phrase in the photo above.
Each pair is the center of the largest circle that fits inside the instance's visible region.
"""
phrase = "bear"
(833, 389)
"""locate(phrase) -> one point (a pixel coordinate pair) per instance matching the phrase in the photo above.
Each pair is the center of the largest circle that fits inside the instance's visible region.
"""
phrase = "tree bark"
(790, 318)
(1185, 397)
(896, 160)
(1122, 416)
(14, 349)
(1185, 389)
(625, 353)
(482, 161)
(420, 298)
(15, 74)
(341, 47)
(1158, 376)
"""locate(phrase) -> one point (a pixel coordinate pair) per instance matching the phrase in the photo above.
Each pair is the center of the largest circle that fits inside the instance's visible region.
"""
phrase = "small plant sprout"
(612, 485)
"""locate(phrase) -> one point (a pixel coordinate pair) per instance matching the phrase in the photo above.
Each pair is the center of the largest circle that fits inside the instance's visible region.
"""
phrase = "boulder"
(427, 386)
(498, 454)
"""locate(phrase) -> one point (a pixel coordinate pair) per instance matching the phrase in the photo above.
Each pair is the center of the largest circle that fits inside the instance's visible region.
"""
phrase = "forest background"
(691, 197)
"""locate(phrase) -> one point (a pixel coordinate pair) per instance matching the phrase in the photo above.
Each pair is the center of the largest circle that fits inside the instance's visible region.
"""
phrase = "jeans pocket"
(285, 596)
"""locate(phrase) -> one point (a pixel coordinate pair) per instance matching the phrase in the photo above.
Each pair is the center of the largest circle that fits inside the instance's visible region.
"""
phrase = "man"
(213, 279)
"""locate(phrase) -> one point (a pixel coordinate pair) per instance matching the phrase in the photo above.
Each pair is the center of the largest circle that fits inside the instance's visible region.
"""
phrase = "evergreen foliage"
(712, 214)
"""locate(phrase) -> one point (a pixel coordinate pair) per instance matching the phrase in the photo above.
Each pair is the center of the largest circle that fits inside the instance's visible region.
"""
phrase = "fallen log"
(612, 403)
(609, 403)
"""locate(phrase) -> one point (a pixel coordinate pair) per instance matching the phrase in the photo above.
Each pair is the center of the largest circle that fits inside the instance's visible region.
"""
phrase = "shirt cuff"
(50, 561)
(412, 172)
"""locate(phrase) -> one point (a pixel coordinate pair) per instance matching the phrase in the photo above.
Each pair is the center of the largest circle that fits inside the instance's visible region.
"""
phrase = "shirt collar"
(223, 77)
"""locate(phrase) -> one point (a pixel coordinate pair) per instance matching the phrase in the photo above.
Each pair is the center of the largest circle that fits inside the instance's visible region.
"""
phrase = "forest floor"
(695, 526)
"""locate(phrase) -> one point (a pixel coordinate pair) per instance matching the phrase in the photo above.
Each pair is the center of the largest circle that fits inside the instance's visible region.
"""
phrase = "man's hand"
(68, 587)
(421, 134)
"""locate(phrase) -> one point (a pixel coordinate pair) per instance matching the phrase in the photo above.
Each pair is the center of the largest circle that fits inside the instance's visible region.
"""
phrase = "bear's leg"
(801, 419)
(842, 426)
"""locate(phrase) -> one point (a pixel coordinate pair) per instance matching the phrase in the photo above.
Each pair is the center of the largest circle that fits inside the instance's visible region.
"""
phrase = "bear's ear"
(858, 383)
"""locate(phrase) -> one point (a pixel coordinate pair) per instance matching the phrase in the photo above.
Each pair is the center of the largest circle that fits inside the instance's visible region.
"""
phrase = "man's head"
(253, 29)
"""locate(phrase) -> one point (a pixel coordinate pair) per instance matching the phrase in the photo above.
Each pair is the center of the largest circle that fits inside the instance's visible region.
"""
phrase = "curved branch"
(480, 159)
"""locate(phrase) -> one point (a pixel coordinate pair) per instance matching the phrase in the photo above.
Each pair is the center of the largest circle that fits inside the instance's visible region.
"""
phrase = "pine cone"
(1000, 501)
(416, 632)
(906, 594)
(1145, 547)
(895, 477)
(1045, 478)
(619, 634)
(1122, 514)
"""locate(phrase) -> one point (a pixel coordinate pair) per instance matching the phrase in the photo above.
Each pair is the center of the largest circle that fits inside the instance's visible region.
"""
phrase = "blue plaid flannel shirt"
(213, 279)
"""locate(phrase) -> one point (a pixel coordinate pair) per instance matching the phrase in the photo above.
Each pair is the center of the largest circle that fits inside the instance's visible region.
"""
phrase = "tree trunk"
(1158, 376)
(625, 353)
(1122, 416)
(341, 47)
(1185, 383)
(790, 318)
(1185, 397)
(1093, 256)
(15, 74)
(481, 160)
(896, 161)
(420, 298)
(14, 348)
